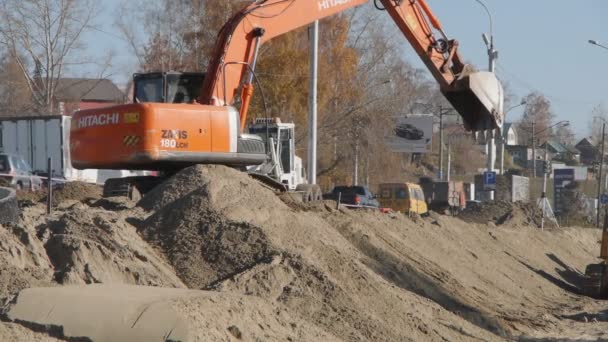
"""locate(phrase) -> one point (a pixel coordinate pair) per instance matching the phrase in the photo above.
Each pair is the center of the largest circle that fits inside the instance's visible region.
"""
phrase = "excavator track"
(594, 283)
(130, 187)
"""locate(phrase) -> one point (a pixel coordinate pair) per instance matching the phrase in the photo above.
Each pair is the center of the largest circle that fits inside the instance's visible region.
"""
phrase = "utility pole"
(543, 196)
(312, 103)
(356, 175)
(440, 144)
(502, 152)
(449, 159)
(599, 178)
(533, 149)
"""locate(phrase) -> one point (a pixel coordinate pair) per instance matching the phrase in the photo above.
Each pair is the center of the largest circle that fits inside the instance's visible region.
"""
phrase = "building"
(589, 152)
(559, 151)
(74, 94)
(521, 154)
(509, 134)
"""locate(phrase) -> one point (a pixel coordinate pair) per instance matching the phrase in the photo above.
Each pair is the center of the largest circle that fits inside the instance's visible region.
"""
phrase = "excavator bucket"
(478, 97)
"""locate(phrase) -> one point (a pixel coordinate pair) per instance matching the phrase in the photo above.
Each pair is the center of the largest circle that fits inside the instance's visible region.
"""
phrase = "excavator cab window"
(285, 137)
(148, 88)
(168, 87)
(183, 88)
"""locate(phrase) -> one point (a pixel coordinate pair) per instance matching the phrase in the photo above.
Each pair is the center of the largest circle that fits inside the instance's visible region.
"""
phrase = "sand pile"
(76, 191)
(280, 270)
(230, 233)
(69, 191)
(87, 245)
(504, 212)
(78, 245)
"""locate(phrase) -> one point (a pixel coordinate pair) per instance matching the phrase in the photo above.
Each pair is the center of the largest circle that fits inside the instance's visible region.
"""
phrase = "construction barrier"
(9, 209)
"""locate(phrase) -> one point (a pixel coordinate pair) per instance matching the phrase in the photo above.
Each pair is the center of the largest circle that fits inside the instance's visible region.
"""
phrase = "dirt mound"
(280, 269)
(88, 245)
(203, 246)
(76, 191)
(226, 187)
(78, 245)
(69, 191)
(504, 212)
(226, 231)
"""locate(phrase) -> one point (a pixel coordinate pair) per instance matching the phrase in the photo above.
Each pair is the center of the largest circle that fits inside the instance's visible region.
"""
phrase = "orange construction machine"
(595, 283)
(180, 119)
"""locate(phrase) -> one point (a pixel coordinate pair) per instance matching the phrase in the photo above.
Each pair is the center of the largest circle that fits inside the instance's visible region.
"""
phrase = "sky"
(543, 46)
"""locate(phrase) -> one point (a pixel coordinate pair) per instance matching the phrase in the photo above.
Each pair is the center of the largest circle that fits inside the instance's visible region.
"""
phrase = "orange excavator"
(181, 119)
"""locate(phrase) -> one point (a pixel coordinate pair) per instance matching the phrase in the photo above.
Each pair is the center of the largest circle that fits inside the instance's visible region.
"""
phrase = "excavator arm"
(477, 96)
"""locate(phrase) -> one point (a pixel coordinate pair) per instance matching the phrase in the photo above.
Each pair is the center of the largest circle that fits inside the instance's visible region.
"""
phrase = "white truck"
(283, 168)
(38, 138)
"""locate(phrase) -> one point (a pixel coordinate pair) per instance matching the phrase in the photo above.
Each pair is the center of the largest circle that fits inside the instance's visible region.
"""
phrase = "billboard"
(563, 181)
(411, 134)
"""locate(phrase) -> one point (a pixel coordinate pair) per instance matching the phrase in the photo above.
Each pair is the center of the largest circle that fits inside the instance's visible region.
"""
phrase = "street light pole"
(312, 104)
(596, 43)
(599, 178)
(492, 56)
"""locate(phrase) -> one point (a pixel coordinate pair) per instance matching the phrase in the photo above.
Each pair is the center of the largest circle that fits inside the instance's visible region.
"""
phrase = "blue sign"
(563, 181)
(604, 198)
(489, 180)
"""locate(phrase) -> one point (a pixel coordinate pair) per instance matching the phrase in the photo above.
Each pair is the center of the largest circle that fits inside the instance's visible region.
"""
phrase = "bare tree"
(564, 135)
(538, 115)
(15, 97)
(43, 37)
(595, 126)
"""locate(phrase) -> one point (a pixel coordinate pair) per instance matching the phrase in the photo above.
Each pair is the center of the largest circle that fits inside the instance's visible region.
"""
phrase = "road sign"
(604, 198)
(563, 179)
(489, 180)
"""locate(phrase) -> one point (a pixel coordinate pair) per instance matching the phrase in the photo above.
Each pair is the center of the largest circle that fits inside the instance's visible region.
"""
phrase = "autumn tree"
(44, 36)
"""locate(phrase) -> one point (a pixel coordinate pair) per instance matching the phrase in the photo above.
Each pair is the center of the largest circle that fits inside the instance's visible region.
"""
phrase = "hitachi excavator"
(174, 122)
(595, 283)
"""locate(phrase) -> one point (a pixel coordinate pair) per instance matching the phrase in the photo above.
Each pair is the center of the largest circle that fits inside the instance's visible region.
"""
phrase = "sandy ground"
(269, 268)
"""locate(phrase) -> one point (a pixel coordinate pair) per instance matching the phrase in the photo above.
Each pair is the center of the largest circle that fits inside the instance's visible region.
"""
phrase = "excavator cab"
(167, 87)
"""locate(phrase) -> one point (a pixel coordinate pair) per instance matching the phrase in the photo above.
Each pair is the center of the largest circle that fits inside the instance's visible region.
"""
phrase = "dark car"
(15, 172)
(409, 132)
(353, 195)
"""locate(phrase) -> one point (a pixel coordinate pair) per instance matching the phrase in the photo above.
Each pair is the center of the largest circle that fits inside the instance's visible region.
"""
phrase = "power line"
(530, 87)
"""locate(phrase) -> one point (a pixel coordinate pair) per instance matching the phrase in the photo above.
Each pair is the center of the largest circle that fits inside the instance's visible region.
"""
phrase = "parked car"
(406, 198)
(444, 196)
(57, 180)
(409, 132)
(353, 195)
(16, 172)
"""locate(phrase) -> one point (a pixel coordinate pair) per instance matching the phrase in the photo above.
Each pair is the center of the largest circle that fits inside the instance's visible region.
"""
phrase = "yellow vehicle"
(407, 198)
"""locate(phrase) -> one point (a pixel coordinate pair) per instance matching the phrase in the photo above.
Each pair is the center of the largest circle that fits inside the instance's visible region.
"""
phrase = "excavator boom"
(165, 130)
(477, 96)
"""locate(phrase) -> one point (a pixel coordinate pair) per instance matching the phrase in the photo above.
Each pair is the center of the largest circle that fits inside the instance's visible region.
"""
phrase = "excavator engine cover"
(161, 136)
(478, 97)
